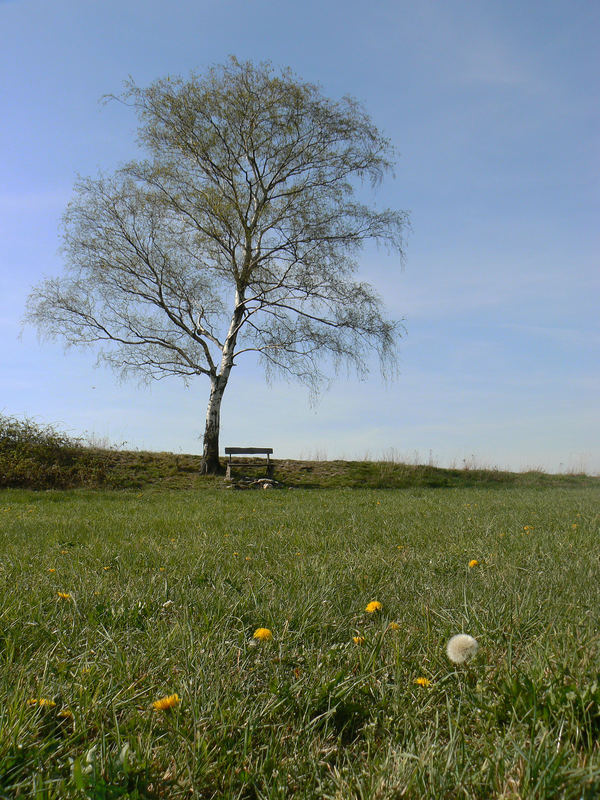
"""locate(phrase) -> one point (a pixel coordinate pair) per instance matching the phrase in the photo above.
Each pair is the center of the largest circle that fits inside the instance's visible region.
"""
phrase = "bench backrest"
(248, 450)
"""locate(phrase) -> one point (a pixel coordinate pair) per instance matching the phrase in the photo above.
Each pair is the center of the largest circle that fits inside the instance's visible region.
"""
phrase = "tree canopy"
(240, 232)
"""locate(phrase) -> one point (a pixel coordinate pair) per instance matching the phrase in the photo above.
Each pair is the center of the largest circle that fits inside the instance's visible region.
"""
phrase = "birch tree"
(238, 233)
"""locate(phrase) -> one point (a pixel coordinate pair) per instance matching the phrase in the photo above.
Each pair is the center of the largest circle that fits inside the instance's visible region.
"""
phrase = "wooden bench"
(249, 451)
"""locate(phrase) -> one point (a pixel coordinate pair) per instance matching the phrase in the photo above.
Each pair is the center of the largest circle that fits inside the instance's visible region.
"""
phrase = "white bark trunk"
(210, 453)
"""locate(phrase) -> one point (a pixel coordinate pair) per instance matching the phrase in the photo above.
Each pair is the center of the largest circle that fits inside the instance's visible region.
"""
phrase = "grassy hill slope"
(34, 457)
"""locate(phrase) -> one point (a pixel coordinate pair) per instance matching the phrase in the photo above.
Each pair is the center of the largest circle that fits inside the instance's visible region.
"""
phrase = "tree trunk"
(218, 382)
(210, 453)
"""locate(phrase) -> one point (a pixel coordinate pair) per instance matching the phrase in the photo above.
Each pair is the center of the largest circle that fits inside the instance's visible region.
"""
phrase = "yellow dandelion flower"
(51, 569)
(373, 606)
(527, 528)
(358, 639)
(422, 681)
(574, 525)
(65, 713)
(165, 703)
(473, 563)
(248, 558)
(393, 626)
(64, 595)
(262, 634)
(41, 702)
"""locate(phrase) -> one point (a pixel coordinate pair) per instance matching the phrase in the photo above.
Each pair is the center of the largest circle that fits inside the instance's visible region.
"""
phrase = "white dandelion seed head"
(461, 647)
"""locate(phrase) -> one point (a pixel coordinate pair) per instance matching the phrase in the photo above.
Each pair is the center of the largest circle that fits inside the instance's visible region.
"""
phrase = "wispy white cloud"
(478, 52)
(487, 61)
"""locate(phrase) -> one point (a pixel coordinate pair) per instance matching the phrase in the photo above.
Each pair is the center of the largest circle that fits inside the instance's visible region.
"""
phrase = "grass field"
(163, 591)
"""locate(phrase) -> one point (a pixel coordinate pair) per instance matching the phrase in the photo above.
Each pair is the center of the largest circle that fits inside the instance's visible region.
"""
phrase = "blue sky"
(493, 107)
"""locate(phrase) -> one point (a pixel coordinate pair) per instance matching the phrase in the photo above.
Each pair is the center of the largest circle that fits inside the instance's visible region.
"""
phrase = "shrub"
(41, 457)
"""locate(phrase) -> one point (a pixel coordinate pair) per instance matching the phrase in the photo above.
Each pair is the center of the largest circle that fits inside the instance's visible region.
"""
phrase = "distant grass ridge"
(41, 457)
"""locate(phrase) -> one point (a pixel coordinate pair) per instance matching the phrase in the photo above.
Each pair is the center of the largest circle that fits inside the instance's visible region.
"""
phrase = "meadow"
(114, 600)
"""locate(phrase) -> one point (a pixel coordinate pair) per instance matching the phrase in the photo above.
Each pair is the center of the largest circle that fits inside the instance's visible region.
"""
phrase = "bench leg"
(228, 471)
